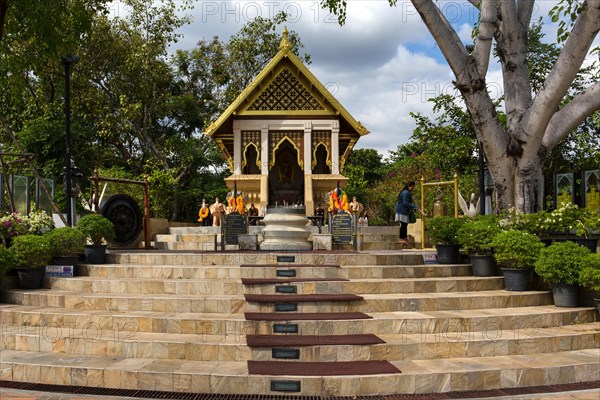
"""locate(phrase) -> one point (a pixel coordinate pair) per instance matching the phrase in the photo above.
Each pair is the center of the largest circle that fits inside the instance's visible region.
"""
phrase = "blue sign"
(59, 270)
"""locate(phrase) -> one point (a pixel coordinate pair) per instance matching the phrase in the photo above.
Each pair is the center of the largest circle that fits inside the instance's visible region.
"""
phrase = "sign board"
(59, 270)
(430, 258)
(235, 225)
(341, 228)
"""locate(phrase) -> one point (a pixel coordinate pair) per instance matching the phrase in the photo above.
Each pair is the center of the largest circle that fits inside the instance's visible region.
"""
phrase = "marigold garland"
(202, 213)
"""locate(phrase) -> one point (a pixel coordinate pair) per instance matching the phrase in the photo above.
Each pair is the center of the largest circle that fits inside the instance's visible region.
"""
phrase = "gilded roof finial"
(285, 44)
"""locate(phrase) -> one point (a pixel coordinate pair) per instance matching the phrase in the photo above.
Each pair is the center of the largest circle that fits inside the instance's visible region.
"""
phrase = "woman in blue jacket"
(404, 206)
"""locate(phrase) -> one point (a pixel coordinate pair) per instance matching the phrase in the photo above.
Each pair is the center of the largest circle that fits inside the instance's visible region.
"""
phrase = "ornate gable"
(286, 93)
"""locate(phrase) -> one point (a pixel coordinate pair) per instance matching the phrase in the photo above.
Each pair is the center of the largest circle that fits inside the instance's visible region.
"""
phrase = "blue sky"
(381, 65)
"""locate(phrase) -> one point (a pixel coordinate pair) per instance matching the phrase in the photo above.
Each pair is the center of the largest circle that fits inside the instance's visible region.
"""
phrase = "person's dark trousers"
(403, 230)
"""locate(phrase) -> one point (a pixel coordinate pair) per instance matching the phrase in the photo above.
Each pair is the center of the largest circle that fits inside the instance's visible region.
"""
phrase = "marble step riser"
(115, 344)
(264, 257)
(125, 345)
(445, 346)
(206, 287)
(218, 382)
(239, 305)
(416, 304)
(234, 329)
(235, 273)
(212, 273)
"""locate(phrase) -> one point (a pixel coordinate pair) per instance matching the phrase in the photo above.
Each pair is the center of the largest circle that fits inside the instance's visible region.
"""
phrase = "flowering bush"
(570, 218)
(11, 225)
(38, 222)
(444, 230)
(530, 223)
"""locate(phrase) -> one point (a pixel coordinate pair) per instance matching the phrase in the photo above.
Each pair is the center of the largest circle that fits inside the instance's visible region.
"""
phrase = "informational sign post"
(341, 228)
(234, 226)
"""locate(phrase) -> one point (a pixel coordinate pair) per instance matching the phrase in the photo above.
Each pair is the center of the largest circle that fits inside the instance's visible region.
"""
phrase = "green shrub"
(31, 251)
(516, 249)
(561, 262)
(65, 241)
(443, 230)
(7, 260)
(589, 276)
(96, 228)
(475, 235)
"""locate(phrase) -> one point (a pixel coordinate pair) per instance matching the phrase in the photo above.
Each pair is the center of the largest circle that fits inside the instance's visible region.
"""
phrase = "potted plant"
(475, 237)
(516, 252)
(559, 265)
(442, 232)
(31, 254)
(589, 276)
(66, 244)
(97, 229)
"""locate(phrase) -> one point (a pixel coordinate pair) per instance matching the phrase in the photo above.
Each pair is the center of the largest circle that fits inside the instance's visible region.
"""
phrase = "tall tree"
(535, 124)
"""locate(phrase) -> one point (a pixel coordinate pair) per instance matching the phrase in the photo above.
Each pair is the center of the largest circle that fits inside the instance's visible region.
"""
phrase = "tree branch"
(571, 115)
(525, 11)
(487, 26)
(565, 69)
(445, 36)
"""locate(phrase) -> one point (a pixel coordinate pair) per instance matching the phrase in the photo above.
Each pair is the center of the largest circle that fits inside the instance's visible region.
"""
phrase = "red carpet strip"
(301, 368)
(260, 281)
(291, 265)
(283, 316)
(311, 340)
(273, 298)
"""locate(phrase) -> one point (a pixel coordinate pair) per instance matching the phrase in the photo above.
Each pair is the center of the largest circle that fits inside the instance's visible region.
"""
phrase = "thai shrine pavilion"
(285, 137)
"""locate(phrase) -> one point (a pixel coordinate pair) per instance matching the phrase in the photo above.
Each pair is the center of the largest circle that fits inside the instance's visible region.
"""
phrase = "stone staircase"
(353, 323)
(203, 238)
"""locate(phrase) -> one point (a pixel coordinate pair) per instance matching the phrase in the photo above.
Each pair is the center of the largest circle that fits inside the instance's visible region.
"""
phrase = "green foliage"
(516, 249)
(589, 275)
(66, 241)
(7, 260)
(533, 223)
(561, 262)
(31, 251)
(96, 228)
(12, 225)
(571, 219)
(444, 230)
(475, 236)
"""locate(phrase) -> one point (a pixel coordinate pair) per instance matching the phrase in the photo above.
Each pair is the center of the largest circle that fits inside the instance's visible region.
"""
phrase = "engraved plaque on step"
(287, 259)
(286, 354)
(341, 228)
(286, 289)
(285, 328)
(285, 386)
(287, 306)
(234, 226)
(286, 273)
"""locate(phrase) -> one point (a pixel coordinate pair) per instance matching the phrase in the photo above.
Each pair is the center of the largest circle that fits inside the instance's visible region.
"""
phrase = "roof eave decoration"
(250, 92)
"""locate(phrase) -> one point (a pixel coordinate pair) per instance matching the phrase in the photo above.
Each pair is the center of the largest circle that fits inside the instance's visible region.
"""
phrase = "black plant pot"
(483, 265)
(565, 295)
(30, 278)
(448, 253)
(95, 254)
(516, 279)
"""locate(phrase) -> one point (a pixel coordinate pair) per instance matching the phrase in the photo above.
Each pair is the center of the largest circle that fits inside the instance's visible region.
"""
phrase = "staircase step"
(417, 377)
(282, 316)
